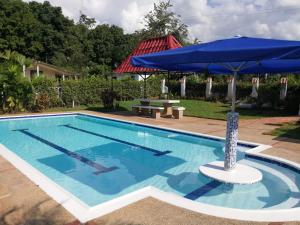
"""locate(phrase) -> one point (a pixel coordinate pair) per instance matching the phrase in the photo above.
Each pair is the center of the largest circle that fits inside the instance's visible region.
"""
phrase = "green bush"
(41, 103)
(243, 90)
(83, 92)
(195, 90)
(269, 93)
(45, 88)
(292, 100)
(109, 98)
(16, 91)
(153, 86)
(70, 92)
(127, 89)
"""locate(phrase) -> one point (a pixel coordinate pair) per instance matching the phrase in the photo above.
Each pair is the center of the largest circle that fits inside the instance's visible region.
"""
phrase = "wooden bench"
(155, 110)
(178, 112)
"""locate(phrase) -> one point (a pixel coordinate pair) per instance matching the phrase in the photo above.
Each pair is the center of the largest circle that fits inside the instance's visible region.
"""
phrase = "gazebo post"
(232, 131)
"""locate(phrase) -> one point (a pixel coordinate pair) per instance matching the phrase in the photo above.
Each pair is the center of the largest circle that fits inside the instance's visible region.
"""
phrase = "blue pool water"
(98, 160)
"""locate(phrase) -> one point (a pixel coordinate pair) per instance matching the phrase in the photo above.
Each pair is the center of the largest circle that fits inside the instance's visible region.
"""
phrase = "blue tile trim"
(98, 167)
(38, 116)
(203, 190)
(284, 165)
(157, 153)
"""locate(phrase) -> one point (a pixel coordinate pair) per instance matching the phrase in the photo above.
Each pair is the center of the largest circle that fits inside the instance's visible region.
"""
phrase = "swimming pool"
(97, 160)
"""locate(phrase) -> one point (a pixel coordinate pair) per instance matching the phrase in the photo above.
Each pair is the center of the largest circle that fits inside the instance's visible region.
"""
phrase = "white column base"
(241, 174)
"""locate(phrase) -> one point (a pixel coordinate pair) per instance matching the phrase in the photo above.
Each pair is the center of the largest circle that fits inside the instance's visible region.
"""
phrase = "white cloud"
(207, 19)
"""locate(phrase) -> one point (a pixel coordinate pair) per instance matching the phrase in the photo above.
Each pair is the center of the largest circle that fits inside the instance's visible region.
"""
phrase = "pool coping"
(85, 213)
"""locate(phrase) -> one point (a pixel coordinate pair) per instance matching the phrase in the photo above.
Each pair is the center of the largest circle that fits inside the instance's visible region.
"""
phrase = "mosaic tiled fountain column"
(231, 131)
(231, 141)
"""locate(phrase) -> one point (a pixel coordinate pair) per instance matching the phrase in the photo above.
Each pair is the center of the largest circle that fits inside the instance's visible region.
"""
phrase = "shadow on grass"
(289, 132)
(259, 113)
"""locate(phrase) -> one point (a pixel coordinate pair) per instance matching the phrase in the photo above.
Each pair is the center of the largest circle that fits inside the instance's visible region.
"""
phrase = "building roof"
(145, 47)
(52, 67)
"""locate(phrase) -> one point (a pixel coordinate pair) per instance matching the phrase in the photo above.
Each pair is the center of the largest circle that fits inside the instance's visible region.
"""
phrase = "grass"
(195, 108)
(290, 130)
(215, 110)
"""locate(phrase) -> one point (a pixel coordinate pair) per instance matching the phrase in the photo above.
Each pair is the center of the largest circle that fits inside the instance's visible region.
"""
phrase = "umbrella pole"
(231, 132)
(145, 86)
(233, 99)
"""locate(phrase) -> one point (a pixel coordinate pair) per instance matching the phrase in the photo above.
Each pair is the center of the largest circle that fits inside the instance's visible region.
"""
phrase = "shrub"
(243, 90)
(269, 93)
(16, 90)
(292, 100)
(83, 92)
(45, 88)
(70, 92)
(127, 89)
(153, 86)
(109, 98)
(41, 103)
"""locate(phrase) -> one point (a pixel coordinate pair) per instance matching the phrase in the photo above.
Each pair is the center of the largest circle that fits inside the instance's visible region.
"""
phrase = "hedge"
(47, 87)
(88, 91)
(83, 92)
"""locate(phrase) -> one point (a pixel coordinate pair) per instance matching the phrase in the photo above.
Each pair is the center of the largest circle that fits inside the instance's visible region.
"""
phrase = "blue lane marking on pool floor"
(97, 166)
(157, 153)
(203, 190)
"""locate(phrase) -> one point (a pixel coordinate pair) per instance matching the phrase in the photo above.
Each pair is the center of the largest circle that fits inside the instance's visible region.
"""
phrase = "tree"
(40, 31)
(53, 30)
(16, 90)
(86, 21)
(110, 45)
(162, 21)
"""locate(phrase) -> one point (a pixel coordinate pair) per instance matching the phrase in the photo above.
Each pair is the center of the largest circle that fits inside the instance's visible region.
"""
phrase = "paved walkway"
(21, 200)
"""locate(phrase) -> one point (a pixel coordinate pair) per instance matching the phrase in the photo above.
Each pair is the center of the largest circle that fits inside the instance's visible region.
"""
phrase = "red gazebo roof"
(146, 47)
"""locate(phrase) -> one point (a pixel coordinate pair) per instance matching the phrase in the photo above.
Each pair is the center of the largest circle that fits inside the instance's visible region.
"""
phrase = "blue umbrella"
(234, 55)
(238, 49)
(265, 66)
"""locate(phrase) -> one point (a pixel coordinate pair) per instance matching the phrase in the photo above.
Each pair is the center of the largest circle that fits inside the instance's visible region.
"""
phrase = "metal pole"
(233, 99)
(145, 86)
(168, 77)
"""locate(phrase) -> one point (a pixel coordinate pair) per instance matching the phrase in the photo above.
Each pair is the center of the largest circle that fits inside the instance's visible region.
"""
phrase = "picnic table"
(167, 105)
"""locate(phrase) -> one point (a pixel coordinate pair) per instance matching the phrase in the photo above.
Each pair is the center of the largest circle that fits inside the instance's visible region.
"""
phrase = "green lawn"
(290, 130)
(214, 110)
(196, 108)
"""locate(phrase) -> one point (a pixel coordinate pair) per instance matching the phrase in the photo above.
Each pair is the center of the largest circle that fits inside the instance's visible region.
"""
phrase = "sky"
(207, 19)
